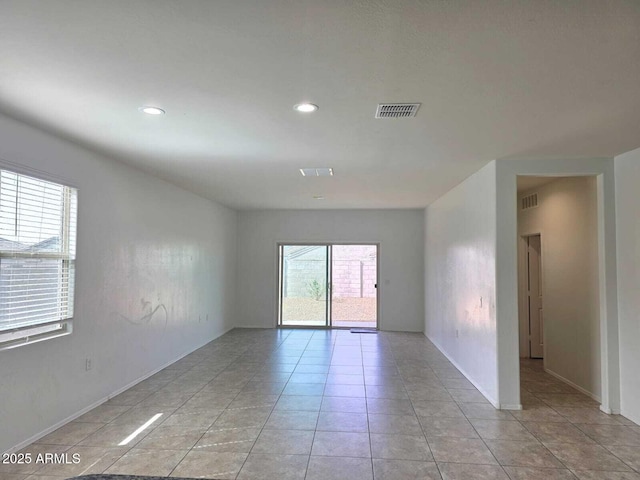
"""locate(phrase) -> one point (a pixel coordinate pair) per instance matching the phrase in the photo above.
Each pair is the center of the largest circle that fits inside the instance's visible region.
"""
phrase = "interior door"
(534, 294)
(354, 292)
(303, 285)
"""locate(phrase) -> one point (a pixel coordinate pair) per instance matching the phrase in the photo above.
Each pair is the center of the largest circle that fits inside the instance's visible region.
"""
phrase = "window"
(37, 258)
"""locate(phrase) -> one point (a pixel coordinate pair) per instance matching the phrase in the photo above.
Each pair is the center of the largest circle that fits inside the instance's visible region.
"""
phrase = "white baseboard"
(61, 423)
(508, 406)
(491, 400)
(573, 385)
(81, 412)
(610, 411)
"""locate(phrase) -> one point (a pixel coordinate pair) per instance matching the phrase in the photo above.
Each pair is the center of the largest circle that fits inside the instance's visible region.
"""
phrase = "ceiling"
(497, 80)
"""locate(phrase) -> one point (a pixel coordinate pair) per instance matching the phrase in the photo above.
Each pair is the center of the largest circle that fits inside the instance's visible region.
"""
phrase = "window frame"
(16, 336)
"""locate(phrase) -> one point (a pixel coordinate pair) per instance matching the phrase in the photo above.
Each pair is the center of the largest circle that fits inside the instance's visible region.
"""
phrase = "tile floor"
(310, 404)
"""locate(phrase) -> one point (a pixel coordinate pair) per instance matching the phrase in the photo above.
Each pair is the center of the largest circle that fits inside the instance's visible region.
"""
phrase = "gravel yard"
(301, 310)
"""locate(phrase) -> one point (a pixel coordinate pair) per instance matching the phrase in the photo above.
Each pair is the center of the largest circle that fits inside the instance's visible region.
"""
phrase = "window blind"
(37, 251)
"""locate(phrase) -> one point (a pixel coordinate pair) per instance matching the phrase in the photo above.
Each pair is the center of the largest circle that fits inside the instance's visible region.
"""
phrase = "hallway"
(328, 404)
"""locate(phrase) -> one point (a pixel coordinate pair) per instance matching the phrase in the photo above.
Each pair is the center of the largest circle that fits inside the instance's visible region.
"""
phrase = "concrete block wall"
(354, 271)
(354, 278)
(300, 273)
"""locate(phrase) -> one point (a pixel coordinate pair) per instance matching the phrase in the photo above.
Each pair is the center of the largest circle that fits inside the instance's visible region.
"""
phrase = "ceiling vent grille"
(397, 110)
(317, 172)
(530, 201)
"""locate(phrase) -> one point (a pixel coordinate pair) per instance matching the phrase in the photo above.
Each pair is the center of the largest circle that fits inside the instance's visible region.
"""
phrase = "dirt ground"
(297, 309)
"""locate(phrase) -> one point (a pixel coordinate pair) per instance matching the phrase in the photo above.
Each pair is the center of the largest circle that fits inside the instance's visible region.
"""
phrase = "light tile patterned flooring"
(311, 404)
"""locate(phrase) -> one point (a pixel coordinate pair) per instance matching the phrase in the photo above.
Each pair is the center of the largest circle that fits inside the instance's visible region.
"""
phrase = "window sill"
(33, 334)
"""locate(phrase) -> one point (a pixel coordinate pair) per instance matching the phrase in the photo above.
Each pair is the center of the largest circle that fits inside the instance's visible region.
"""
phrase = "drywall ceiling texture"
(460, 278)
(627, 169)
(507, 268)
(496, 80)
(143, 245)
(399, 233)
(567, 220)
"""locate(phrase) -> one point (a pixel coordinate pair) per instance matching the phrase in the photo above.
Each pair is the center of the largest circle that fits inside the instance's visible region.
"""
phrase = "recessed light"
(151, 110)
(305, 107)
(318, 197)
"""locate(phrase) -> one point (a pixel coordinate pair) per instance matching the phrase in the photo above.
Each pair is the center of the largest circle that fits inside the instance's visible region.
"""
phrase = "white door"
(534, 294)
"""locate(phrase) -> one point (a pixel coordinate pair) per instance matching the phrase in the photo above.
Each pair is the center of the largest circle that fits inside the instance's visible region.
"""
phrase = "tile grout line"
(366, 409)
(416, 414)
(306, 472)
(247, 365)
(206, 430)
(570, 422)
(198, 391)
(271, 412)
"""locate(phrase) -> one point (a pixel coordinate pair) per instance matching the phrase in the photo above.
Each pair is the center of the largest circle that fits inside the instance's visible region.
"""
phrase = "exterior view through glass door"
(354, 273)
(328, 285)
(304, 273)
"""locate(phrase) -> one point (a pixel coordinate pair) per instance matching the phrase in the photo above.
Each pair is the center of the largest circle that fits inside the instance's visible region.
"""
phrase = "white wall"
(140, 240)
(507, 277)
(627, 168)
(566, 217)
(471, 251)
(460, 262)
(399, 233)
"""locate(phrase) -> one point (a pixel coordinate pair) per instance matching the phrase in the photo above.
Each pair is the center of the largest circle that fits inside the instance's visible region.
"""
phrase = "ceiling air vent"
(316, 172)
(397, 110)
(530, 201)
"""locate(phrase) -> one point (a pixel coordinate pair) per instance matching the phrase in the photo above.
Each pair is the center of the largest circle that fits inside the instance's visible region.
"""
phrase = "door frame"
(523, 311)
(506, 205)
(329, 244)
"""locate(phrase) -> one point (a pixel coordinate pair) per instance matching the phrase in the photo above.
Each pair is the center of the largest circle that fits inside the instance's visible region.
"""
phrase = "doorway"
(535, 314)
(328, 285)
(559, 287)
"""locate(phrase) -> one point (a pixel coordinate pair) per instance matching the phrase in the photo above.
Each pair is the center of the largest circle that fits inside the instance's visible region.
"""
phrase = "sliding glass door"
(304, 274)
(354, 299)
(328, 285)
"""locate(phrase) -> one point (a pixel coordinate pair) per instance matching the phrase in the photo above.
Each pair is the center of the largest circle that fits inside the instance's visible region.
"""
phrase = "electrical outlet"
(480, 302)
(88, 364)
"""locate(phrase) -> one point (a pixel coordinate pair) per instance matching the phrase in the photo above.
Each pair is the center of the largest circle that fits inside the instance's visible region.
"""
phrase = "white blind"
(37, 250)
